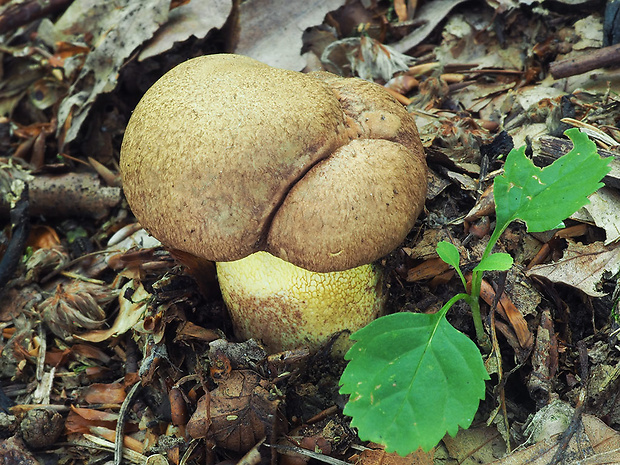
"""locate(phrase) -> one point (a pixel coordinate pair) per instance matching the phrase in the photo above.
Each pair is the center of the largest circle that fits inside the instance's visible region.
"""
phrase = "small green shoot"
(413, 377)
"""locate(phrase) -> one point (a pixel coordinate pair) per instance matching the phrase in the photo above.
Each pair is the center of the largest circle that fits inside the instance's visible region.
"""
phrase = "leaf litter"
(475, 72)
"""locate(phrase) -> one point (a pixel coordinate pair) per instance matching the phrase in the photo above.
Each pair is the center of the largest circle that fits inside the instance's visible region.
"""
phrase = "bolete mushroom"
(295, 184)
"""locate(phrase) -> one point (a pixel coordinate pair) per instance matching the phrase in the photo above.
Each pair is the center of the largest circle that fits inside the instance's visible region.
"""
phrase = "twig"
(576, 421)
(307, 453)
(120, 424)
(21, 227)
(19, 13)
(70, 194)
(606, 56)
(130, 455)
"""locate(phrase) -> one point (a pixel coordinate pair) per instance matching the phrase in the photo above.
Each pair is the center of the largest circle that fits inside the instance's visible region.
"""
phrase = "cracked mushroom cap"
(225, 156)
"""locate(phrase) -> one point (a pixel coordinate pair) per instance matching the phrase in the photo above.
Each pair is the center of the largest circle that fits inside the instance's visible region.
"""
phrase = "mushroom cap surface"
(225, 156)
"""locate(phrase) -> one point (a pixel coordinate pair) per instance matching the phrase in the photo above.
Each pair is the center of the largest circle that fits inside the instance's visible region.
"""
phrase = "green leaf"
(544, 198)
(450, 254)
(496, 262)
(411, 378)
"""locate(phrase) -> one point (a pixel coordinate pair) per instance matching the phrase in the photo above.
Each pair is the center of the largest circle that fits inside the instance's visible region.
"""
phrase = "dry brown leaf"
(427, 269)
(475, 445)
(195, 18)
(604, 209)
(81, 419)
(432, 13)
(188, 331)
(271, 30)
(94, 415)
(509, 311)
(109, 434)
(117, 28)
(377, 456)
(130, 313)
(198, 426)
(242, 411)
(582, 266)
(595, 444)
(98, 393)
(238, 413)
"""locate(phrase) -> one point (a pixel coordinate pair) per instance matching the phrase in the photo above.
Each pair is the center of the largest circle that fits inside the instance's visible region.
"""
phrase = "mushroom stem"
(288, 307)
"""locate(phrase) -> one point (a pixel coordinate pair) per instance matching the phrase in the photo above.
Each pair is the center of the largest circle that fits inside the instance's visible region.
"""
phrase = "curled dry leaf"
(98, 393)
(604, 208)
(108, 24)
(195, 18)
(271, 30)
(509, 311)
(133, 300)
(582, 266)
(368, 58)
(110, 435)
(242, 410)
(80, 419)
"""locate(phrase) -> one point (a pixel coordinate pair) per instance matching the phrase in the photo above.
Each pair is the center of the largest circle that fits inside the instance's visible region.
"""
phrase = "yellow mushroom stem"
(288, 307)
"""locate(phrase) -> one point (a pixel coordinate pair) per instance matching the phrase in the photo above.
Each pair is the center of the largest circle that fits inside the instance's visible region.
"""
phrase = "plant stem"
(454, 300)
(476, 284)
(474, 303)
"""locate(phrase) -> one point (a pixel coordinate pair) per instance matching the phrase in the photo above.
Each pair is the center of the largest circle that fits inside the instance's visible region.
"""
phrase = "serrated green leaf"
(450, 254)
(411, 378)
(545, 197)
(496, 262)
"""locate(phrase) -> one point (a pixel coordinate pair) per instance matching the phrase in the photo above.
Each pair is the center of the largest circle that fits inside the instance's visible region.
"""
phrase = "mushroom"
(295, 184)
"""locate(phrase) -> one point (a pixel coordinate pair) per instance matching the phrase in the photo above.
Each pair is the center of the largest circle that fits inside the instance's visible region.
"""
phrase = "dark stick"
(20, 229)
(18, 14)
(606, 56)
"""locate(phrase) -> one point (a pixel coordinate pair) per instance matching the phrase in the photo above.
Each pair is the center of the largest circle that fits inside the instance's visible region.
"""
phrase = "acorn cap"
(225, 156)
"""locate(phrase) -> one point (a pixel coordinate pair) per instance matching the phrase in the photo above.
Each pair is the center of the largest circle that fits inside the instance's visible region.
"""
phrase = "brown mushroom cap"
(363, 194)
(225, 156)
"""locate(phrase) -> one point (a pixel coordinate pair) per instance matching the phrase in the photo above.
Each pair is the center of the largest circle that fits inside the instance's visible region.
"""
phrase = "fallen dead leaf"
(109, 434)
(271, 30)
(475, 445)
(508, 310)
(195, 18)
(118, 27)
(375, 455)
(604, 209)
(595, 444)
(81, 419)
(130, 313)
(98, 393)
(430, 14)
(582, 266)
(241, 411)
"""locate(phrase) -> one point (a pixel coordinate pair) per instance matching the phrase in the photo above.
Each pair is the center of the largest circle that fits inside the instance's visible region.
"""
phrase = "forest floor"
(108, 344)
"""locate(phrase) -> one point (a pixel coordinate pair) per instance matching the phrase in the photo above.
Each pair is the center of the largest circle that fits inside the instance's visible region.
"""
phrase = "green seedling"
(413, 377)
